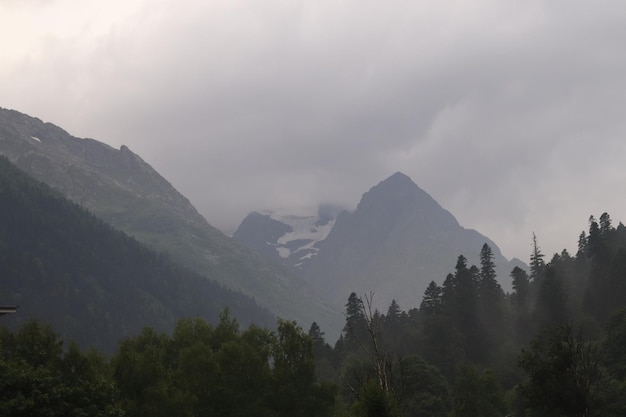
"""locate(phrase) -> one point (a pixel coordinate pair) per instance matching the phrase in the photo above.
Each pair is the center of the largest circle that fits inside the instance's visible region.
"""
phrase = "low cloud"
(508, 113)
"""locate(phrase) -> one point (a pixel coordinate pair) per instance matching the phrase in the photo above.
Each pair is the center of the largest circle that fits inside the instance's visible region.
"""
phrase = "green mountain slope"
(123, 190)
(93, 283)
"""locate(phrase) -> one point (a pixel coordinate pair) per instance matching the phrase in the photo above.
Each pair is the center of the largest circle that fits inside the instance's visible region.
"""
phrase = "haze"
(510, 114)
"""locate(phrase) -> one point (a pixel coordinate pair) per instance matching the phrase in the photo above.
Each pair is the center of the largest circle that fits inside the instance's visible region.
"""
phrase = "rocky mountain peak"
(398, 179)
(397, 200)
(396, 241)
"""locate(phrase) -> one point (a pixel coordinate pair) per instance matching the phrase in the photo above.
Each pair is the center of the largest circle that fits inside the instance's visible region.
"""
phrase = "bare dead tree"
(382, 364)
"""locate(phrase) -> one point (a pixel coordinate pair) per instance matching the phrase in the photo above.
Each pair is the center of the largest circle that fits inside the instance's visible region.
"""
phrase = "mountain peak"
(398, 177)
(396, 241)
(398, 194)
(397, 180)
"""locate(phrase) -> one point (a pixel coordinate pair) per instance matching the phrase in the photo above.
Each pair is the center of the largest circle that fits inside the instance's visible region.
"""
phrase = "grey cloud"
(508, 113)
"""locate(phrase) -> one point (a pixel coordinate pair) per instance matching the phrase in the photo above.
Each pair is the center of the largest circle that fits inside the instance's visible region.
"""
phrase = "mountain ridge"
(93, 283)
(125, 191)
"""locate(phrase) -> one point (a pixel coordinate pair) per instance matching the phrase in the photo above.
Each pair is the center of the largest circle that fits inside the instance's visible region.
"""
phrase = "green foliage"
(565, 375)
(551, 308)
(297, 392)
(223, 371)
(477, 395)
(374, 402)
(432, 302)
(421, 390)
(40, 378)
(615, 344)
(200, 370)
(355, 331)
(537, 264)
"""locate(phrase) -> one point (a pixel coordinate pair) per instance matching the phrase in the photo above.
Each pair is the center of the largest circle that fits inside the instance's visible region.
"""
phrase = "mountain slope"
(396, 241)
(94, 284)
(120, 188)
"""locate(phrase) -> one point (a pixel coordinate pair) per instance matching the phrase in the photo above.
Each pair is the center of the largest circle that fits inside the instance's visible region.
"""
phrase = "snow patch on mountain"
(301, 242)
(291, 237)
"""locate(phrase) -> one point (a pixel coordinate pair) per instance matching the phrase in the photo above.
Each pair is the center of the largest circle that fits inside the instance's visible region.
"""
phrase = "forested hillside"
(94, 284)
(119, 187)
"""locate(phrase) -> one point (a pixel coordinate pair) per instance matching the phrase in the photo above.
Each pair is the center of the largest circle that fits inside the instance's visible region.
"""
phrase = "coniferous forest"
(554, 346)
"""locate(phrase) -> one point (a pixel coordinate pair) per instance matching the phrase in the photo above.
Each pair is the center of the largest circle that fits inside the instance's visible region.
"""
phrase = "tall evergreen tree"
(448, 293)
(521, 288)
(520, 300)
(467, 312)
(491, 292)
(492, 303)
(355, 330)
(321, 349)
(582, 245)
(537, 264)
(487, 265)
(551, 308)
(432, 302)
(605, 224)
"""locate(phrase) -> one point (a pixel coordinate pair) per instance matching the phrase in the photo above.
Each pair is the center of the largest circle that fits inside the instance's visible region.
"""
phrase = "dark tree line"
(199, 370)
(554, 346)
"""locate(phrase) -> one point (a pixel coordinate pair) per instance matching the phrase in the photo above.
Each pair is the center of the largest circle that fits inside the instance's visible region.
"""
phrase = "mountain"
(290, 239)
(123, 190)
(396, 241)
(92, 283)
(394, 244)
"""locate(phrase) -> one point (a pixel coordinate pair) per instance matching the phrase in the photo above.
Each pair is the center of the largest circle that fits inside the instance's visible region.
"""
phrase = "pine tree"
(487, 266)
(582, 245)
(432, 303)
(492, 303)
(355, 330)
(521, 287)
(490, 290)
(551, 308)
(467, 311)
(537, 263)
(520, 300)
(321, 349)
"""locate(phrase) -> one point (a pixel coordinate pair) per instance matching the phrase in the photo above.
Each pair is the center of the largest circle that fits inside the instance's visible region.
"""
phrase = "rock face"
(122, 189)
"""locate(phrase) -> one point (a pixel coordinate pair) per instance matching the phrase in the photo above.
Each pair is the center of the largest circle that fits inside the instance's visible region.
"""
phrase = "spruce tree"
(432, 303)
(537, 264)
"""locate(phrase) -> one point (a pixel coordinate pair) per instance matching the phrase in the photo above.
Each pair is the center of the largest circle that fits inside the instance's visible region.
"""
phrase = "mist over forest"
(552, 346)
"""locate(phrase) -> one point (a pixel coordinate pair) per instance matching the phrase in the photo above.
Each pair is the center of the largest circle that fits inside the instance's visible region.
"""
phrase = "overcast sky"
(511, 114)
